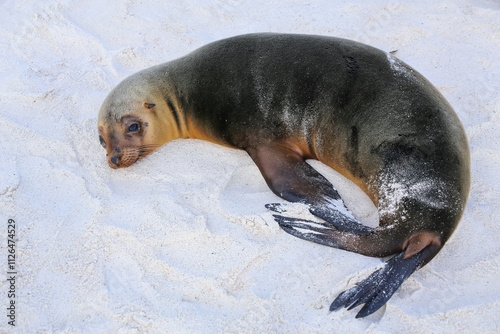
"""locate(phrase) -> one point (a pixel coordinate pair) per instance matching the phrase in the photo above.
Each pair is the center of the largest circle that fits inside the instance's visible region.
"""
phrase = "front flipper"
(379, 287)
(291, 178)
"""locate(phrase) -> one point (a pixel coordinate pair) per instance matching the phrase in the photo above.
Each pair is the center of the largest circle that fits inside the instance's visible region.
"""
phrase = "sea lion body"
(287, 98)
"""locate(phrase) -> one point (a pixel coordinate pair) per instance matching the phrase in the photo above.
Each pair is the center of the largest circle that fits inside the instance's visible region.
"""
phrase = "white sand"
(181, 242)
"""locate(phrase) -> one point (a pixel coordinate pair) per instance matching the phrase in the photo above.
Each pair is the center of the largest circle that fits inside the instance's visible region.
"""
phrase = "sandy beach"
(181, 241)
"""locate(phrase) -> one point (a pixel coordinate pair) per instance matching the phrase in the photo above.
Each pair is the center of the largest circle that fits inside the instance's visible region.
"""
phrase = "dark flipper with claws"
(325, 233)
(291, 178)
(379, 287)
(333, 218)
(318, 230)
(376, 290)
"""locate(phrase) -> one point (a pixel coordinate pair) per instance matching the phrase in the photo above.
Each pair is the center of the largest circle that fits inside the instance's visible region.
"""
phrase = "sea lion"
(287, 98)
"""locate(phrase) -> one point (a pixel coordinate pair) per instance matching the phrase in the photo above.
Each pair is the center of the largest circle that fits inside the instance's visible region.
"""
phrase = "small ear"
(149, 105)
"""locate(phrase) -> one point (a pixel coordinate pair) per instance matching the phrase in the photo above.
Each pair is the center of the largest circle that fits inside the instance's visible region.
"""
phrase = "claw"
(276, 207)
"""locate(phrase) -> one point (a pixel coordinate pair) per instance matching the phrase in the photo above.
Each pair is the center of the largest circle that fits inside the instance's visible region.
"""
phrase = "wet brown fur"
(358, 132)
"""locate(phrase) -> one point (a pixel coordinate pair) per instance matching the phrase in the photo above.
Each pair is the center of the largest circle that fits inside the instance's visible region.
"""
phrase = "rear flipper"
(324, 233)
(291, 178)
(337, 217)
(320, 231)
(379, 287)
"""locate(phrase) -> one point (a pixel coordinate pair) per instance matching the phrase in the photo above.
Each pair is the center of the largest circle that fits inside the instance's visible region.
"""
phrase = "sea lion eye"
(103, 143)
(134, 127)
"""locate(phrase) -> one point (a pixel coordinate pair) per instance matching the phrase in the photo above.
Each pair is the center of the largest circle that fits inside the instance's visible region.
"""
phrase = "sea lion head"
(133, 121)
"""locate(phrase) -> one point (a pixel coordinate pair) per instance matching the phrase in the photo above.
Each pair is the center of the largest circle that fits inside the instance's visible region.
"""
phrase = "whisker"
(151, 146)
(132, 154)
(142, 148)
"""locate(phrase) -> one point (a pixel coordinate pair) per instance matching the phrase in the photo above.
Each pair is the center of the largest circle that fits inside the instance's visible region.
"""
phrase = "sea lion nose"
(114, 160)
